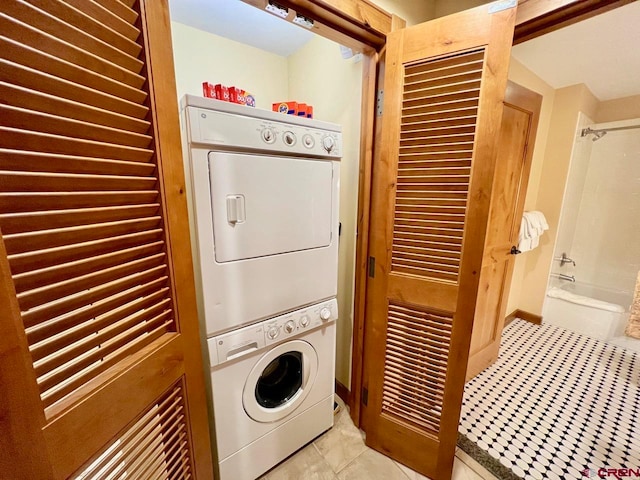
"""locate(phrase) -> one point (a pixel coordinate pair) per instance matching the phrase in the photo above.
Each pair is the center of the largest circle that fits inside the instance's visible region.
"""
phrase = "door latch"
(514, 250)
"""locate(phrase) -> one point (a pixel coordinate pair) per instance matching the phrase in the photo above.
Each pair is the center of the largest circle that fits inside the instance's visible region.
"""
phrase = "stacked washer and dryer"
(264, 216)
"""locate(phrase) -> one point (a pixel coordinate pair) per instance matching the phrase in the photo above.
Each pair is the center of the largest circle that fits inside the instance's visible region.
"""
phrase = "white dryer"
(273, 388)
(264, 210)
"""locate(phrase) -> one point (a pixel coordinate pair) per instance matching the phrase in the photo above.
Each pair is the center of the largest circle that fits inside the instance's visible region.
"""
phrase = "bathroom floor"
(341, 454)
(555, 404)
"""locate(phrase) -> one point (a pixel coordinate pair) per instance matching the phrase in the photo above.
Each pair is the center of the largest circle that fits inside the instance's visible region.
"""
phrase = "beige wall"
(334, 87)
(413, 11)
(618, 109)
(447, 7)
(201, 56)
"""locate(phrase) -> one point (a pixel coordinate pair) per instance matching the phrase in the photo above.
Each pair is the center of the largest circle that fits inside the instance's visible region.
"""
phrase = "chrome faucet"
(565, 259)
(562, 276)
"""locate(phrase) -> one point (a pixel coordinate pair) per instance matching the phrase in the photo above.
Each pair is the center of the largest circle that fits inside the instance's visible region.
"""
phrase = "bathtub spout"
(562, 276)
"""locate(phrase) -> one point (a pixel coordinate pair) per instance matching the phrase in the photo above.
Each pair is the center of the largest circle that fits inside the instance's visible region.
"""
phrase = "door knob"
(514, 251)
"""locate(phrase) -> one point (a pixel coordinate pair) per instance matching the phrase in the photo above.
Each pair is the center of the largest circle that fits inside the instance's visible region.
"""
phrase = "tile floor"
(341, 454)
(556, 404)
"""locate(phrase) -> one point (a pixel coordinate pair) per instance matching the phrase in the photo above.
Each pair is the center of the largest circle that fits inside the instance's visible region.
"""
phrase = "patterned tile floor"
(556, 404)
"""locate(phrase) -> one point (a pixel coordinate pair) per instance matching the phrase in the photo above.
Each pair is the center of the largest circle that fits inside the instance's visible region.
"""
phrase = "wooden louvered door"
(444, 85)
(100, 367)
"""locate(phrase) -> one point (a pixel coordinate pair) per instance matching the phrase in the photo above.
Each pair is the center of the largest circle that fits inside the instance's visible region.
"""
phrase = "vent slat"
(437, 140)
(29, 36)
(416, 358)
(153, 446)
(78, 18)
(50, 24)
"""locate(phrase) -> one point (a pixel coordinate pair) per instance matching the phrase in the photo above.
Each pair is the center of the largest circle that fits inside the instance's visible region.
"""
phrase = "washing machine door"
(280, 381)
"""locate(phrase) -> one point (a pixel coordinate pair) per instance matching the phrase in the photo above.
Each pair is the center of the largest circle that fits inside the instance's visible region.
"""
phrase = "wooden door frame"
(362, 25)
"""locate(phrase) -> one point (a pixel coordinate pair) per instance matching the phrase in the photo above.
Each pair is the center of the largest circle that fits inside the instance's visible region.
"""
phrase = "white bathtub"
(600, 323)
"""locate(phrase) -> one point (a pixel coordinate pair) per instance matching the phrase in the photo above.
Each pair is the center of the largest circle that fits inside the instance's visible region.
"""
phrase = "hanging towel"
(532, 227)
(633, 327)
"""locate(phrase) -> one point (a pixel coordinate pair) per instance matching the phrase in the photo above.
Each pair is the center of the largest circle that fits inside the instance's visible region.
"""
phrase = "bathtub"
(580, 315)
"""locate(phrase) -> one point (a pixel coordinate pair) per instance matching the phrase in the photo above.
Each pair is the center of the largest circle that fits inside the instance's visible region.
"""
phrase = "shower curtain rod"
(598, 132)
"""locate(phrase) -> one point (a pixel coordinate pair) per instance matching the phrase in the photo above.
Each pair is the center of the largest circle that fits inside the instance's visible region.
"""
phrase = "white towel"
(532, 226)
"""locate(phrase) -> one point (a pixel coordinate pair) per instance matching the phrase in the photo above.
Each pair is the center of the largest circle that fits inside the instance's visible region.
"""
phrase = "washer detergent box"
(286, 107)
(208, 90)
(222, 92)
(237, 95)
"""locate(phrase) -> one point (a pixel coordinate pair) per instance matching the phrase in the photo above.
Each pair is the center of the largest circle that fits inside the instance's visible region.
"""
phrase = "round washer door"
(280, 381)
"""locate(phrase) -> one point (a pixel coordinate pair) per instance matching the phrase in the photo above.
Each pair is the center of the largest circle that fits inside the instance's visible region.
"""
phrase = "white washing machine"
(273, 388)
(263, 207)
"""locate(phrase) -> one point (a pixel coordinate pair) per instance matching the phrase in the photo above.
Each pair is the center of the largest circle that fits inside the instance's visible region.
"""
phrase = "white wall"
(319, 76)
(201, 56)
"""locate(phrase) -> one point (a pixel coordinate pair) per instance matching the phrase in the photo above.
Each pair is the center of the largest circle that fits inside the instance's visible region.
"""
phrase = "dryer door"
(280, 381)
(267, 205)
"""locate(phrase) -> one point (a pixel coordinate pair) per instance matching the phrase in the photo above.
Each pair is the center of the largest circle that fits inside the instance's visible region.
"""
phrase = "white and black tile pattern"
(555, 404)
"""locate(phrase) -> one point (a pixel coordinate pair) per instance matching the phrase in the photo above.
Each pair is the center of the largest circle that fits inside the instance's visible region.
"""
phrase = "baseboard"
(529, 317)
(343, 392)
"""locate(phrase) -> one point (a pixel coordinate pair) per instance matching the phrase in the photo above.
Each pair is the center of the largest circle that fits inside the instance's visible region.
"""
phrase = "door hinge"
(365, 396)
(379, 101)
(372, 267)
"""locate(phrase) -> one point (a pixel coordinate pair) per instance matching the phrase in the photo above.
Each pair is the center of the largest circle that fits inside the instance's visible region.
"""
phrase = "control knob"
(290, 326)
(304, 321)
(268, 135)
(289, 139)
(325, 314)
(272, 333)
(328, 143)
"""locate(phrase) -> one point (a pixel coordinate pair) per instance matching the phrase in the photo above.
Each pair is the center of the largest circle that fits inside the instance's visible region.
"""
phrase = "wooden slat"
(58, 255)
(118, 351)
(437, 136)
(50, 238)
(23, 222)
(57, 125)
(40, 277)
(27, 35)
(415, 365)
(57, 144)
(154, 446)
(107, 17)
(56, 27)
(32, 100)
(44, 336)
(30, 68)
(49, 294)
(83, 299)
(79, 19)
(41, 182)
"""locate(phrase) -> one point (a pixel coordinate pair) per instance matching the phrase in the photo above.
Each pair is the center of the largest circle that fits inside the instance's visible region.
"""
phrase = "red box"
(286, 107)
(309, 111)
(237, 95)
(222, 92)
(208, 90)
(302, 110)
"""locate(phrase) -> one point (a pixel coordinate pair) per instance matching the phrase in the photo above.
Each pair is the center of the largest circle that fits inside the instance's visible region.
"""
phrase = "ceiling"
(603, 52)
(236, 20)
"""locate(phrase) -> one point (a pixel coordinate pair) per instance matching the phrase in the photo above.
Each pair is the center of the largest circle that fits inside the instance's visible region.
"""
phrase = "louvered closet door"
(445, 80)
(99, 361)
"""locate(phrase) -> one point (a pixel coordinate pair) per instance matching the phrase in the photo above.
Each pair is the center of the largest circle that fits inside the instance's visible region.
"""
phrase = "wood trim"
(368, 117)
(357, 24)
(163, 95)
(343, 392)
(537, 17)
(19, 392)
(529, 317)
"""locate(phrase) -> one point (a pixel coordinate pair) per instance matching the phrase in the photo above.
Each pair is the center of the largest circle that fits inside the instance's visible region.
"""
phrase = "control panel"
(229, 130)
(247, 340)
